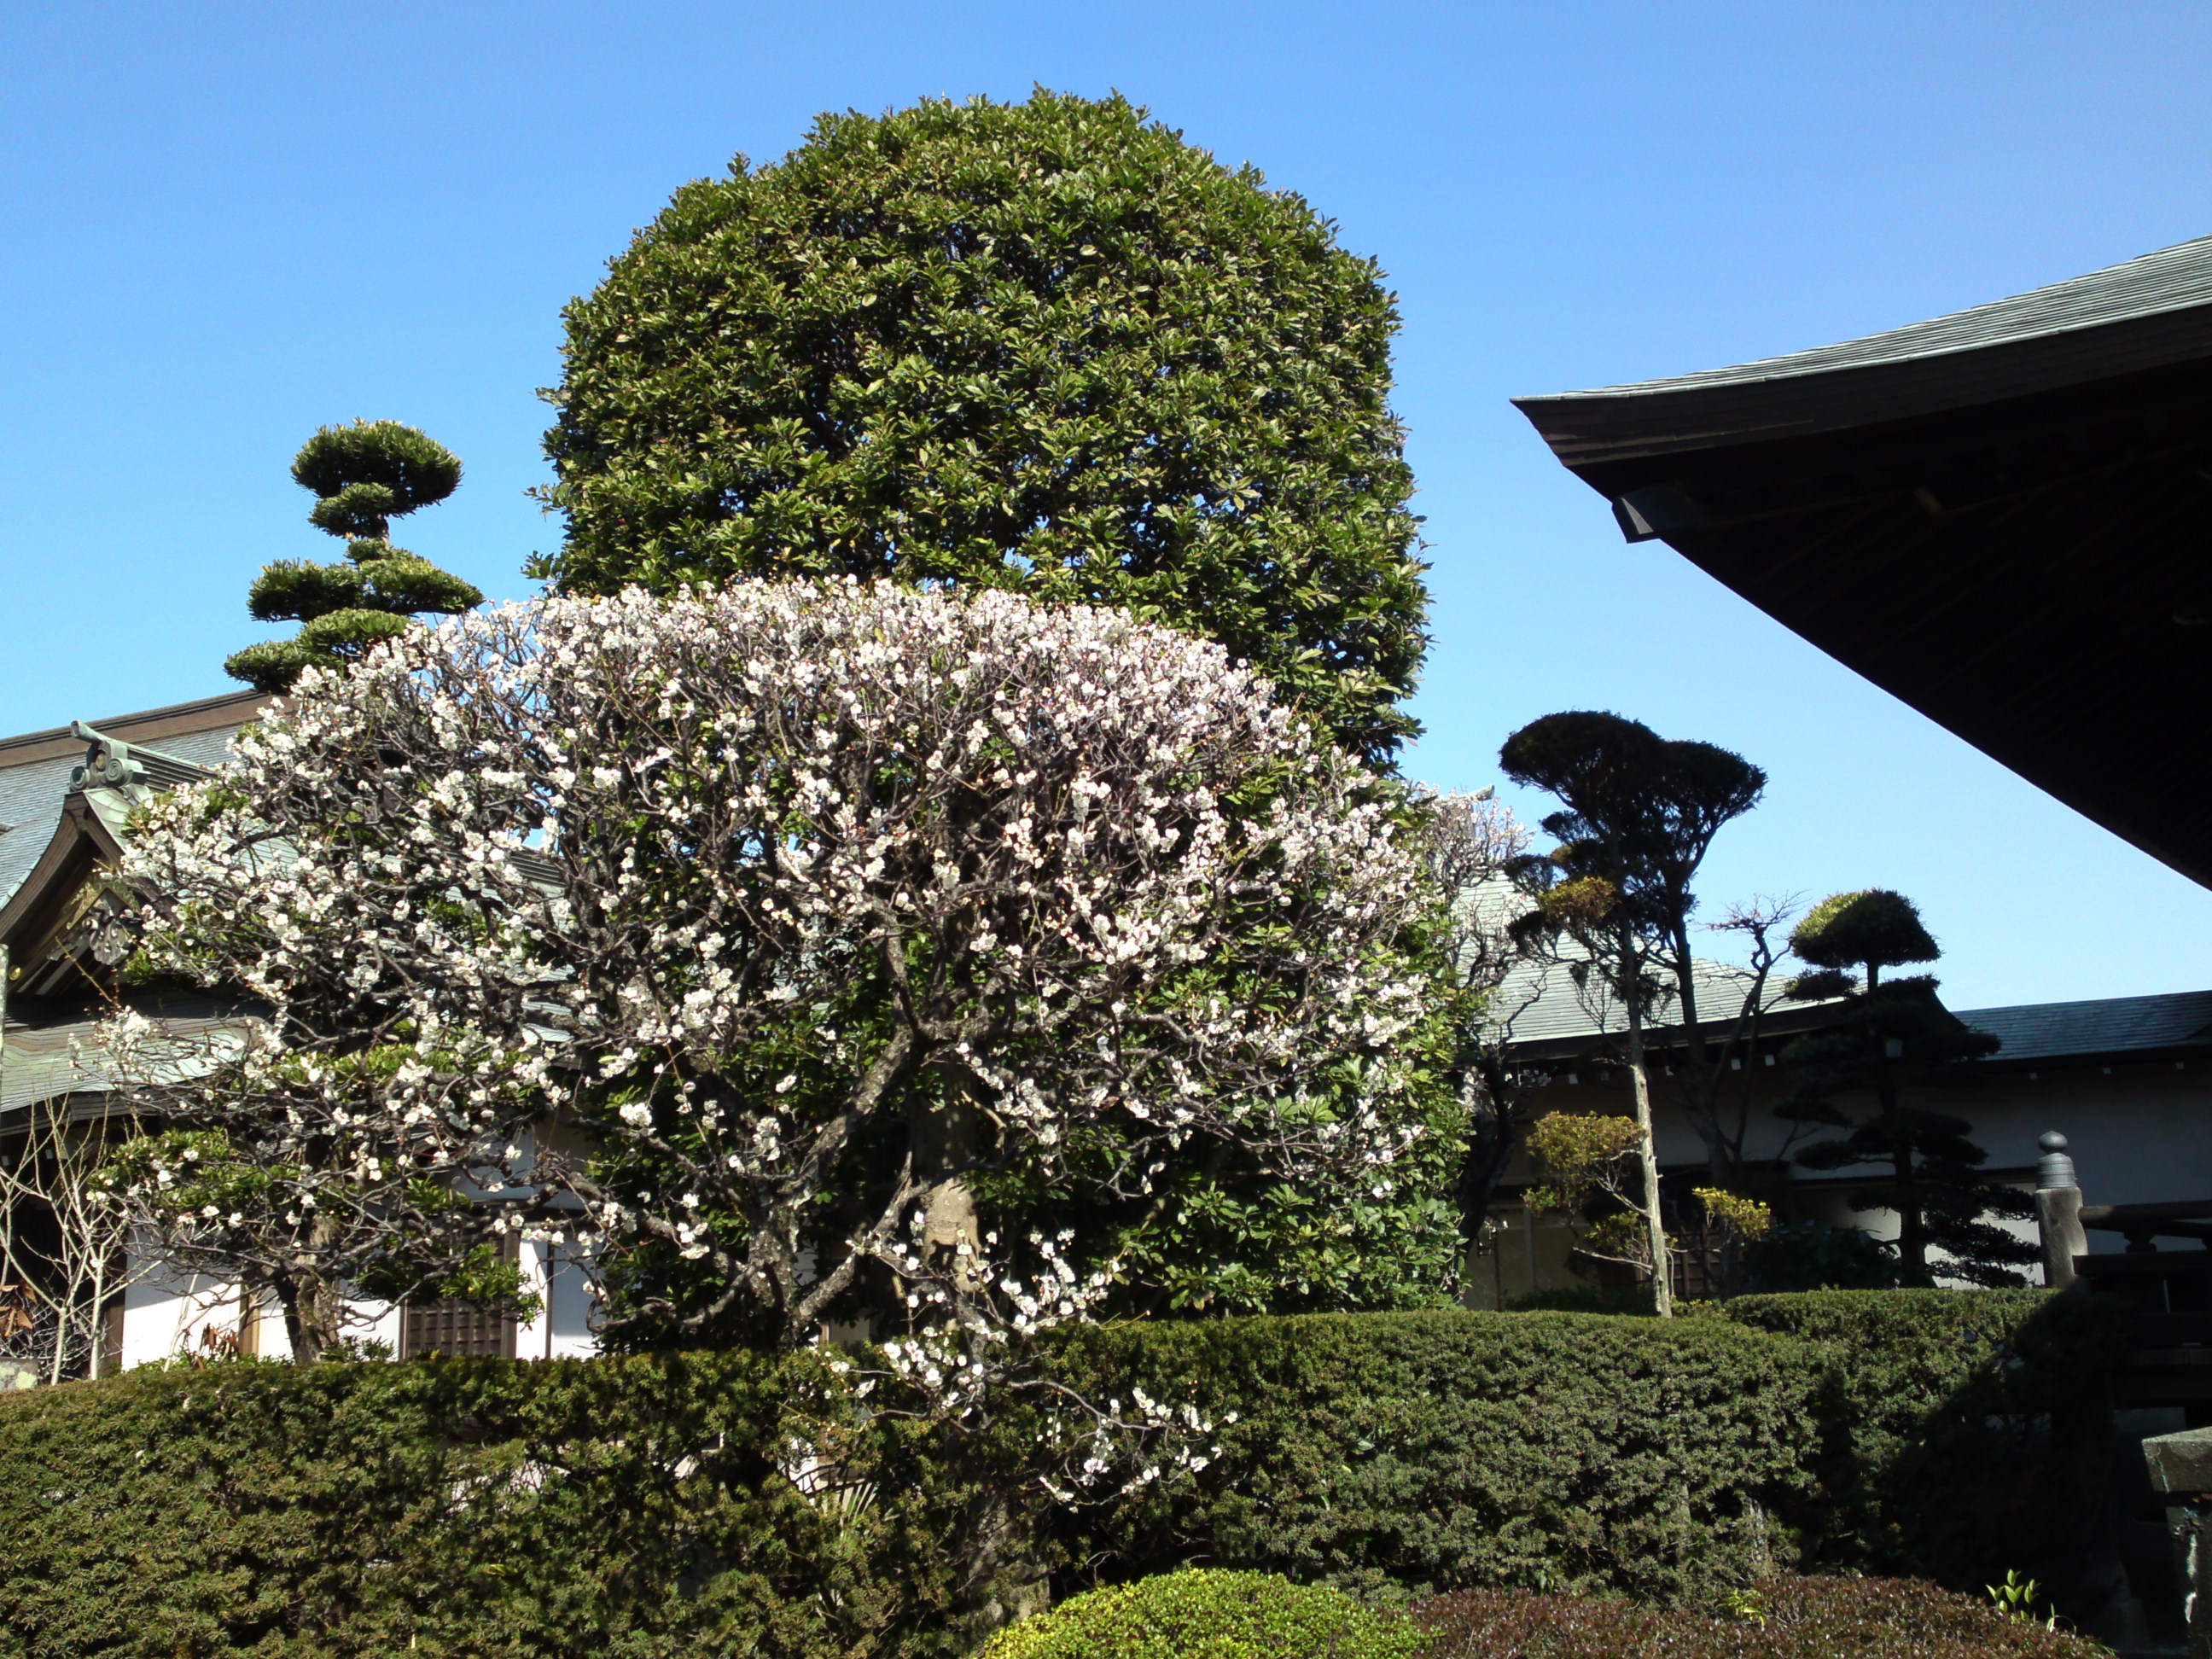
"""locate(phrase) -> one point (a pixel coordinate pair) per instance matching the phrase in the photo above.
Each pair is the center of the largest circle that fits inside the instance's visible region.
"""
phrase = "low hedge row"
(1965, 1434)
(1430, 1451)
(646, 1507)
(622, 1508)
(1787, 1617)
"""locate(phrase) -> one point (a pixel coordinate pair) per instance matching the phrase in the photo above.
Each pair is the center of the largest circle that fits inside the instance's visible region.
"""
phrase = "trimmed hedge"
(1967, 1433)
(1206, 1614)
(1437, 1450)
(1786, 1618)
(642, 1507)
(626, 1508)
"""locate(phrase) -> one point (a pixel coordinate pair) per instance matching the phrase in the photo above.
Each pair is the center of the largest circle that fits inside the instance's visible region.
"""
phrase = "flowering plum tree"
(868, 935)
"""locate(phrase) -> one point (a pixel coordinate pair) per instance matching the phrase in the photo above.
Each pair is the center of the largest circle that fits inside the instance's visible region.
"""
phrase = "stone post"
(2058, 1212)
(2181, 1468)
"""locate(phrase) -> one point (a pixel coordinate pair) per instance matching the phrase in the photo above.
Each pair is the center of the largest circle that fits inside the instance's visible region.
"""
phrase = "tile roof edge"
(147, 725)
(2079, 1002)
(1793, 366)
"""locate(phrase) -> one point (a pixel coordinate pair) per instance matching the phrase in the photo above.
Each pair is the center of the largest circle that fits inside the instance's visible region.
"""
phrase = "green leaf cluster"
(366, 475)
(1965, 1433)
(1048, 346)
(1205, 1614)
(1387, 1452)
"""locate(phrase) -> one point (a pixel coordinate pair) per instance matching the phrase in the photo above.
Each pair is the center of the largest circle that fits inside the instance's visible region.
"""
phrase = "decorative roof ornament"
(110, 763)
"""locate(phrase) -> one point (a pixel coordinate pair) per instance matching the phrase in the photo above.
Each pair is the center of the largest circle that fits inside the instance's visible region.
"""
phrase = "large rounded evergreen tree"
(1048, 346)
(364, 475)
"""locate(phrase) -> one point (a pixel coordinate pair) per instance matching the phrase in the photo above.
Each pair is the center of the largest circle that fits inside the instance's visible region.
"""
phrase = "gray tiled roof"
(2175, 278)
(1540, 1005)
(2087, 1030)
(31, 797)
(39, 1063)
(1539, 1009)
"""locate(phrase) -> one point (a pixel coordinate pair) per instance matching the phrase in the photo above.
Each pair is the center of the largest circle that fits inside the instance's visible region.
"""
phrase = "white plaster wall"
(562, 1328)
(166, 1315)
(2139, 1134)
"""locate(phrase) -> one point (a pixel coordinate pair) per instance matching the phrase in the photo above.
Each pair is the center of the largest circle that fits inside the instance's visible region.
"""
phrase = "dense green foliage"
(1786, 1617)
(647, 1506)
(1048, 346)
(1811, 1255)
(364, 475)
(1442, 1451)
(627, 1507)
(1209, 1614)
(1637, 815)
(1964, 1438)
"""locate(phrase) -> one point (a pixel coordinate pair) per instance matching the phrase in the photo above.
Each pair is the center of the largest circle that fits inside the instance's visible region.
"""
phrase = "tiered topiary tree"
(366, 475)
(1638, 815)
(1896, 1036)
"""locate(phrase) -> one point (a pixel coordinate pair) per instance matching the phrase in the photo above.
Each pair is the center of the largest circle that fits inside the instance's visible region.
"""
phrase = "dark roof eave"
(1597, 434)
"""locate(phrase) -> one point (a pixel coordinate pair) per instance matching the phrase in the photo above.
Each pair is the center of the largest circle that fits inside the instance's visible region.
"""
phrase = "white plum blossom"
(804, 913)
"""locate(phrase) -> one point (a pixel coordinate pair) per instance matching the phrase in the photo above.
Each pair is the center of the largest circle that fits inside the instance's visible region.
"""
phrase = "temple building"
(66, 797)
(1999, 517)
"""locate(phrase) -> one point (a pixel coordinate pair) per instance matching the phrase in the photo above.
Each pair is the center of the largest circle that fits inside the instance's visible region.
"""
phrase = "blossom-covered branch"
(857, 930)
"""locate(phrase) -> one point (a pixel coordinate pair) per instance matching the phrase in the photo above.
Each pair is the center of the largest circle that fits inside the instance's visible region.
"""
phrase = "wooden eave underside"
(34, 920)
(2030, 571)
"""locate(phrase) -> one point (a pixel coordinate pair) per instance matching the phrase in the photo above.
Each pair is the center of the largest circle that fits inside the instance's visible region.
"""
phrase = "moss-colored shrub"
(645, 1507)
(1440, 1450)
(1206, 1614)
(1785, 1617)
(623, 1508)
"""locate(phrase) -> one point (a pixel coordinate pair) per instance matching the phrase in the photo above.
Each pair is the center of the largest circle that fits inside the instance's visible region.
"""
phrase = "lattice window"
(462, 1329)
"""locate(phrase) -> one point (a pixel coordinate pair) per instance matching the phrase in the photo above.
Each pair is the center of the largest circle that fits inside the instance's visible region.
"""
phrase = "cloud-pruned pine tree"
(364, 475)
(1896, 1035)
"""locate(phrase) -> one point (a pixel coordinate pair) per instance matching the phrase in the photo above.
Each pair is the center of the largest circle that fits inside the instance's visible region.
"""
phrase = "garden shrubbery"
(610, 1507)
(641, 1507)
(1963, 1435)
(1788, 1617)
(1437, 1450)
(1210, 1614)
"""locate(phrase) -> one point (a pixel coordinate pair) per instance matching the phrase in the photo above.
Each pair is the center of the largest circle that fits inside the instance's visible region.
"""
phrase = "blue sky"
(224, 225)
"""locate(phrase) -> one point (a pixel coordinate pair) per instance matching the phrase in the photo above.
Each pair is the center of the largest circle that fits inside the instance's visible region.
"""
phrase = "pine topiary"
(1893, 1034)
(365, 476)
(1203, 1614)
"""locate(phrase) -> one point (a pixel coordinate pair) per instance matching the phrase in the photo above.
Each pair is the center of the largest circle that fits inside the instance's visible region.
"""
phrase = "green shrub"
(1203, 1614)
(1045, 345)
(1786, 1617)
(1967, 1433)
(642, 1507)
(1440, 1450)
(1811, 1255)
(622, 1508)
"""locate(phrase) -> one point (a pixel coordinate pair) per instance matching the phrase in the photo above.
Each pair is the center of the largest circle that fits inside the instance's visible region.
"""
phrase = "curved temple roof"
(2173, 279)
(2000, 516)
(2147, 314)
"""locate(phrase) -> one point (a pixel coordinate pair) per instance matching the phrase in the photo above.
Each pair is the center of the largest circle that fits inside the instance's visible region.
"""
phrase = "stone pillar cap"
(2180, 1462)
